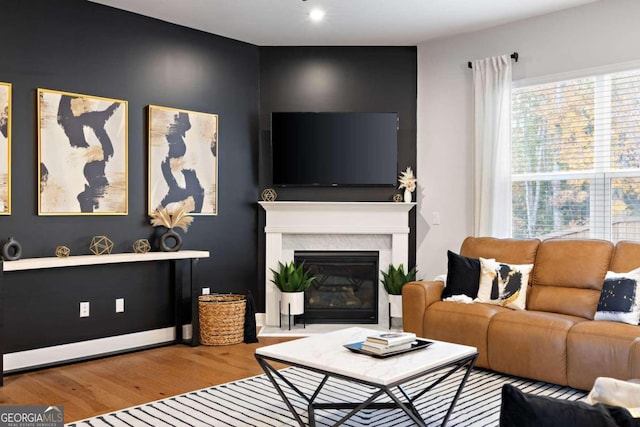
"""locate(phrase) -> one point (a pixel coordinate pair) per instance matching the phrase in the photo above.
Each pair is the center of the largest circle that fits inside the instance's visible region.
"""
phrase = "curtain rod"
(514, 56)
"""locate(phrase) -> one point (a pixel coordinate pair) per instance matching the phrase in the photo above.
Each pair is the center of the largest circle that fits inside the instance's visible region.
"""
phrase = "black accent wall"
(338, 79)
(82, 47)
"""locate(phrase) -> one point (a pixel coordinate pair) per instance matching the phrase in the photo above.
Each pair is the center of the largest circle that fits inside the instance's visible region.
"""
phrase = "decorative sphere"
(101, 245)
(62, 251)
(397, 197)
(141, 246)
(269, 195)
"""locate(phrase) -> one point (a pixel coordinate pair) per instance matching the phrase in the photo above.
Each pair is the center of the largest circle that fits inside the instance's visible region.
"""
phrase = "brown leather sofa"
(555, 339)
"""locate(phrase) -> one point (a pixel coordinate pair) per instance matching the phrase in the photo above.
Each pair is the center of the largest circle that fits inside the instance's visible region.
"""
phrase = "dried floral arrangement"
(180, 218)
(407, 180)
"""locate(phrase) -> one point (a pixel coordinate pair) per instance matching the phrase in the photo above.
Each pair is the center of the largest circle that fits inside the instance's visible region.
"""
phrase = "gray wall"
(82, 47)
(595, 35)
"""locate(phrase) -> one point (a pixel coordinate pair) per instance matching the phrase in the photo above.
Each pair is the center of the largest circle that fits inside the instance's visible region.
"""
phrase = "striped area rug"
(254, 402)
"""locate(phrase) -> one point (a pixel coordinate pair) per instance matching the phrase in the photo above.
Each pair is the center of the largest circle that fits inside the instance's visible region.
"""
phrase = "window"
(576, 158)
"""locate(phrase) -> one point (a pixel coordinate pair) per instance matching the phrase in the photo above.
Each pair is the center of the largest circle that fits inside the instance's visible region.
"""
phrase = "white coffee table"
(326, 355)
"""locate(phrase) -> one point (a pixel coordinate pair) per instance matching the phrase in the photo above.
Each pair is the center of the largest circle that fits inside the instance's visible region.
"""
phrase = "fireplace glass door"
(345, 289)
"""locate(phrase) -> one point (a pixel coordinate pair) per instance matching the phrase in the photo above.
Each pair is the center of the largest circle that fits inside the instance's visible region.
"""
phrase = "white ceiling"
(347, 22)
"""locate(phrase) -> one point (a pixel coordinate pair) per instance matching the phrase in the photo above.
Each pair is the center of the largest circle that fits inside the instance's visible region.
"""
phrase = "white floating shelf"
(79, 260)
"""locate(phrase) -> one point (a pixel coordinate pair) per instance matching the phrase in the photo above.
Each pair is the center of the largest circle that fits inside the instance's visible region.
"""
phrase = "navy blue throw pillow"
(463, 276)
(620, 298)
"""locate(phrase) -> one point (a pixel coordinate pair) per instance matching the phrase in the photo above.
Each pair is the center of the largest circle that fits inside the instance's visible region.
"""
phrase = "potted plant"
(292, 281)
(393, 280)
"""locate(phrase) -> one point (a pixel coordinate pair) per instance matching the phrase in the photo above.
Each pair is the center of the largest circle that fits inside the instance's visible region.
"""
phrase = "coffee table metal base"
(405, 402)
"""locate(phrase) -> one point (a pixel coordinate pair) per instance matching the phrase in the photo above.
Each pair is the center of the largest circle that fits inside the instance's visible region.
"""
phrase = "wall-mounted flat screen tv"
(334, 149)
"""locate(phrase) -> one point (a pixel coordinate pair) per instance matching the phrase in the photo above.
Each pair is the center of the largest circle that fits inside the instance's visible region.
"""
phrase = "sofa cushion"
(620, 298)
(626, 257)
(530, 344)
(600, 349)
(512, 251)
(461, 324)
(634, 359)
(463, 276)
(519, 409)
(568, 276)
(503, 284)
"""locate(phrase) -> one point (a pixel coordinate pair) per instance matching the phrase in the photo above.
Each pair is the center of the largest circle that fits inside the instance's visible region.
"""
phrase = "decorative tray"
(418, 344)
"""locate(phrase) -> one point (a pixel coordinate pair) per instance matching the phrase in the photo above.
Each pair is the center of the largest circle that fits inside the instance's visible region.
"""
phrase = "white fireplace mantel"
(382, 226)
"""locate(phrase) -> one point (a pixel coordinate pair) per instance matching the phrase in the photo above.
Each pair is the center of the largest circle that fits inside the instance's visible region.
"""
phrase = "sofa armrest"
(416, 297)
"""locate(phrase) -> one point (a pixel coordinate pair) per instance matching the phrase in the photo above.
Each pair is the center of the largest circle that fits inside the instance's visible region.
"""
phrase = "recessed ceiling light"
(316, 15)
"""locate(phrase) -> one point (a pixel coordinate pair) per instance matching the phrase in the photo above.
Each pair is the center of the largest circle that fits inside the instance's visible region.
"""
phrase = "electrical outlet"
(84, 309)
(206, 291)
(119, 305)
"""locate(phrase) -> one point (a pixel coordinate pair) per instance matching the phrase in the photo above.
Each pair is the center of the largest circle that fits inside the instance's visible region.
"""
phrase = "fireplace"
(293, 227)
(345, 289)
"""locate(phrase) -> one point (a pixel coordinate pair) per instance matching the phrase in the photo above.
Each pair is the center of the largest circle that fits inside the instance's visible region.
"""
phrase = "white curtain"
(492, 146)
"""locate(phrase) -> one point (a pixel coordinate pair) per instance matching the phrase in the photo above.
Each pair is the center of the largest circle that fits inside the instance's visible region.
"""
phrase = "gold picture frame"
(183, 160)
(82, 154)
(5, 148)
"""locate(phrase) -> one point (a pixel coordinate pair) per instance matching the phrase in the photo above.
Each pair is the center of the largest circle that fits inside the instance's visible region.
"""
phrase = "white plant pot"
(292, 303)
(407, 196)
(396, 305)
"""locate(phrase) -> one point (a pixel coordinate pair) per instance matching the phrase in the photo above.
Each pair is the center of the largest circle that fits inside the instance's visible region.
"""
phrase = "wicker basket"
(221, 319)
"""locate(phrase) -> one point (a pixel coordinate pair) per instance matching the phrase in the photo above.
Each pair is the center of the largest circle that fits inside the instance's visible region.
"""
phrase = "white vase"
(396, 305)
(407, 196)
(292, 303)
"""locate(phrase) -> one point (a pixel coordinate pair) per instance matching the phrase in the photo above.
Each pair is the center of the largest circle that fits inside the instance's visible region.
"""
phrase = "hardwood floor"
(95, 387)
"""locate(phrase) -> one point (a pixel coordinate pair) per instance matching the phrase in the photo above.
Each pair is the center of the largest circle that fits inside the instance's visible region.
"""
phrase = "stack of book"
(388, 342)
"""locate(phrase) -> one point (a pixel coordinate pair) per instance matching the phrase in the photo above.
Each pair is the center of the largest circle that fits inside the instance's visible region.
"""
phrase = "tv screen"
(332, 149)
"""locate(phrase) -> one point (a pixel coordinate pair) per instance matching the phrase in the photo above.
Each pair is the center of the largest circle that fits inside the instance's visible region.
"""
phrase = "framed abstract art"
(82, 154)
(183, 160)
(5, 148)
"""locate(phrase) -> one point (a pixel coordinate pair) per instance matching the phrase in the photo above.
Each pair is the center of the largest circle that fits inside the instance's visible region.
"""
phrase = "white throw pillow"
(503, 284)
(620, 298)
(615, 392)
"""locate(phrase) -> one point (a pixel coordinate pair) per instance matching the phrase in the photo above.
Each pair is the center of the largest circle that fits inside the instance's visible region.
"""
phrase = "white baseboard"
(56, 354)
(84, 349)
(261, 319)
